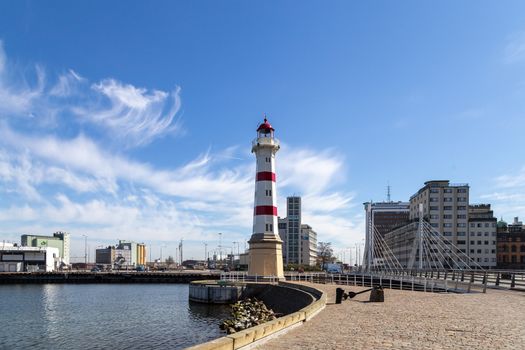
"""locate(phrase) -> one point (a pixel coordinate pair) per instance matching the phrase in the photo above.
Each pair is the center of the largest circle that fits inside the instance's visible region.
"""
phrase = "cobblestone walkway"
(412, 320)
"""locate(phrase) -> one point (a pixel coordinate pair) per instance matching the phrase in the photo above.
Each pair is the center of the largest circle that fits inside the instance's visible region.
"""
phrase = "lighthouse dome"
(265, 127)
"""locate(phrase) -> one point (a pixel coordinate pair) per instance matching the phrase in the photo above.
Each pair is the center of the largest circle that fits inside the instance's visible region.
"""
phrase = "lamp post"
(220, 246)
(85, 251)
(206, 254)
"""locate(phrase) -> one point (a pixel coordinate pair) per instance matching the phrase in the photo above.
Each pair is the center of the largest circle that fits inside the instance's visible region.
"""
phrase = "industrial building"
(125, 254)
(28, 259)
(59, 240)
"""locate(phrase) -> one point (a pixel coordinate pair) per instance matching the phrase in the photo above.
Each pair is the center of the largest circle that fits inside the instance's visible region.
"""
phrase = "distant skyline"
(131, 120)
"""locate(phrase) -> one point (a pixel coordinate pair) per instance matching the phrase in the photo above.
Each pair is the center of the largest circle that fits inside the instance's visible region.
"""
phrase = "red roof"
(265, 127)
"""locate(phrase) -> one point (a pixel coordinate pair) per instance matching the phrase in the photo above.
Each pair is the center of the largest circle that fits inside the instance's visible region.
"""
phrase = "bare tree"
(325, 253)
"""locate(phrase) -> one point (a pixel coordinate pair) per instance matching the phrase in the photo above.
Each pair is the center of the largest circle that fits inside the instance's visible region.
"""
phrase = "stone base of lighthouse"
(265, 257)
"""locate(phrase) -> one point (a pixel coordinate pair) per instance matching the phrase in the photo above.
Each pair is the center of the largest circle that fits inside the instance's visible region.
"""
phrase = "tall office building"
(299, 240)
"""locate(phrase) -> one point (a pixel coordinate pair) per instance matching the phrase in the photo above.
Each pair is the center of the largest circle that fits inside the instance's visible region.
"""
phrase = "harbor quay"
(411, 320)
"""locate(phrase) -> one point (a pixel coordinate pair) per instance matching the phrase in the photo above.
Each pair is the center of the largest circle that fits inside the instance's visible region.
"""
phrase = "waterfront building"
(446, 208)
(383, 217)
(265, 253)
(300, 240)
(386, 216)
(482, 235)
(29, 259)
(511, 245)
(59, 240)
(308, 245)
(125, 254)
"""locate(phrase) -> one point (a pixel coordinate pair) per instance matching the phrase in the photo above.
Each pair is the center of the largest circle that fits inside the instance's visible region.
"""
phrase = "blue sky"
(133, 120)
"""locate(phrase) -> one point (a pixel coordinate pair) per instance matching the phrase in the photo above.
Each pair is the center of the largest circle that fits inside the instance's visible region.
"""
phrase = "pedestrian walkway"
(412, 320)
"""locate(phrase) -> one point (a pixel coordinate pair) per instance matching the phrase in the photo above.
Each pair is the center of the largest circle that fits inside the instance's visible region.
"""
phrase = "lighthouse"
(265, 254)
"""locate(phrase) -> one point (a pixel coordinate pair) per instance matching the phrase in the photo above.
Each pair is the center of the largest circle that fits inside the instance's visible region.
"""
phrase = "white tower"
(265, 255)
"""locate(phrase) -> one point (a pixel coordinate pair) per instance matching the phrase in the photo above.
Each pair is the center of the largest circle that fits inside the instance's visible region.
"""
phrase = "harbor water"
(102, 316)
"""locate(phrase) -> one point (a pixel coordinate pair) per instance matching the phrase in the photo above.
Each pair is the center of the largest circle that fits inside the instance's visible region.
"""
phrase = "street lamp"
(220, 246)
(85, 251)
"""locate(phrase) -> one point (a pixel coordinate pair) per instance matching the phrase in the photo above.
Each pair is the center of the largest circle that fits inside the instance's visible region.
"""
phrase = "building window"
(462, 224)
(462, 190)
(447, 199)
(462, 199)
(513, 248)
(447, 234)
(447, 224)
(434, 224)
(487, 224)
(462, 207)
(447, 216)
(462, 233)
(433, 199)
(434, 216)
(462, 216)
(472, 224)
(447, 207)
(433, 208)
(472, 251)
(472, 242)
(447, 190)
(462, 242)
(434, 190)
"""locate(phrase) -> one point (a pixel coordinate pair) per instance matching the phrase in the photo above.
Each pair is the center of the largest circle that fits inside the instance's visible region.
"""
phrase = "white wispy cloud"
(514, 50)
(77, 184)
(507, 194)
(134, 116)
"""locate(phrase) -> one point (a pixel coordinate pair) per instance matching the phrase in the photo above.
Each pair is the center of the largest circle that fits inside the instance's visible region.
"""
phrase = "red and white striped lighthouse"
(265, 245)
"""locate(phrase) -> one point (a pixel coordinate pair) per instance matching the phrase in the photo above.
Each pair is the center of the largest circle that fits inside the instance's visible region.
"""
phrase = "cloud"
(508, 195)
(52, 180)
(133, 116)
(510, 181)
(514, 50)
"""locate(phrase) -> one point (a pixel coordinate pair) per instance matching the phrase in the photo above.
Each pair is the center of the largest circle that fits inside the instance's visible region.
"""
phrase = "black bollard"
(339, 295)
(377, 295)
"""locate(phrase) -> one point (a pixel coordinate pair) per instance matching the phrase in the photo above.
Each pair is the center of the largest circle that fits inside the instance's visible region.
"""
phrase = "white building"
(482, 235)
(29, 259)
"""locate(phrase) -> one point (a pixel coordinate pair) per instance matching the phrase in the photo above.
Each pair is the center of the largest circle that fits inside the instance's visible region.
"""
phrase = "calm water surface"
(103, 316)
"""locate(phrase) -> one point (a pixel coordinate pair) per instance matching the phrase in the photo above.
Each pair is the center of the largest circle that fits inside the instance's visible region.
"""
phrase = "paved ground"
(413, 320)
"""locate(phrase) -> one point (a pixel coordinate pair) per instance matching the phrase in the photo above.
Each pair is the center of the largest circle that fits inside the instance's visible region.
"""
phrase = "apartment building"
(482, 235)
(445, 206)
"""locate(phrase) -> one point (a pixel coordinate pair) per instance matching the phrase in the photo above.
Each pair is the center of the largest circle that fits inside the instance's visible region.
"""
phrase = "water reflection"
(103, 316)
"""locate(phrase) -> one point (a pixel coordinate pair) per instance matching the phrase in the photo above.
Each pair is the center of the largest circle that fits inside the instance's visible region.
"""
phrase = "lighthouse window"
(268, 192)
(268, 160)
(269, 227)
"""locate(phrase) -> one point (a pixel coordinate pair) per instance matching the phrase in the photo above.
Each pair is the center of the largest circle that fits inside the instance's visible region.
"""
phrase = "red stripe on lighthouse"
(265, 176)
(265, 210)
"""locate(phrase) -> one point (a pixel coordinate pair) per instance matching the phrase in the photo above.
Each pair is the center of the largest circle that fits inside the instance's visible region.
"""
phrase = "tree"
(325, 253)
(170, 260)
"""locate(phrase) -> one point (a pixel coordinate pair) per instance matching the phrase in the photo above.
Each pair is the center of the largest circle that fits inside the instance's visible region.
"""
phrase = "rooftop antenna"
(388, 193)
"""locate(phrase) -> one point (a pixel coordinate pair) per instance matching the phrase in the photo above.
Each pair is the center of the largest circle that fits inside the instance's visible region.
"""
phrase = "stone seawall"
(103, 277)
(284, 297)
